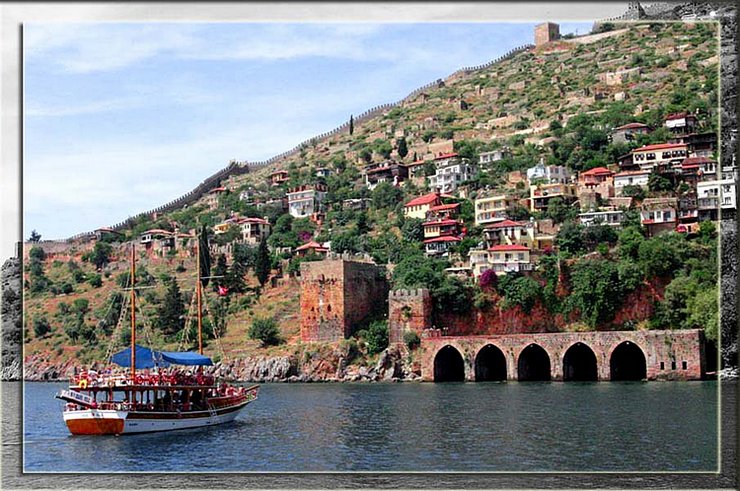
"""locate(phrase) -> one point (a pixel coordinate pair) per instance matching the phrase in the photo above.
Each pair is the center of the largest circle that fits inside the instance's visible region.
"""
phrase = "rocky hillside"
(12, 304)
(557, 102)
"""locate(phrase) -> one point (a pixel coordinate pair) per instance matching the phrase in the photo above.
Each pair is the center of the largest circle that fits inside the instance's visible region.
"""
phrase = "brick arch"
(451, 370)
(538, 370)
(636, 371)
(581, 370)
(497, 369)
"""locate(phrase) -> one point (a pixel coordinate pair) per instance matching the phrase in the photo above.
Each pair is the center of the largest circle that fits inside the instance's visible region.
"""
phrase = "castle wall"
(408, 310)
(681, 352)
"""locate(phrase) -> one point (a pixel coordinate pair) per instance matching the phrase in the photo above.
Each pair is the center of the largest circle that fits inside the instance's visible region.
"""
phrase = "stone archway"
(533, 364)
(449, 365)
(490, 364)
(627, 362)
(579, 364)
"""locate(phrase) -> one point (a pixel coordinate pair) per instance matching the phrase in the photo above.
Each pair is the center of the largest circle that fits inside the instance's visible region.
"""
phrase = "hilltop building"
(545, 33)
(305, 201)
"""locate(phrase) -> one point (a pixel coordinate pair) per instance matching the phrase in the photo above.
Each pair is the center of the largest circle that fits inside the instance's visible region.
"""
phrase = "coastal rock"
(12, 303)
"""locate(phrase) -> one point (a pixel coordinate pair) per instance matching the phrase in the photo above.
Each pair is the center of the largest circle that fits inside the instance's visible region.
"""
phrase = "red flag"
(222, 291)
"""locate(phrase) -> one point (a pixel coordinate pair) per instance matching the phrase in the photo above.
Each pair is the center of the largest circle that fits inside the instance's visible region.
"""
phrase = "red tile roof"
(157, 231)
(423, 200)
(312, 245)
(509, 247)
(632, 173)
(697, 160)
(441, 222)
(217, 190)
(506, 223)
(597, 172)
(659, 146)
(680, 115)
(445, 207)
(631, 126)
(444, 238)
(445, 156)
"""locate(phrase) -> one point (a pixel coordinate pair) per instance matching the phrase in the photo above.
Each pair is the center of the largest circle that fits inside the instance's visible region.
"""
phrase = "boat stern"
(95, 422)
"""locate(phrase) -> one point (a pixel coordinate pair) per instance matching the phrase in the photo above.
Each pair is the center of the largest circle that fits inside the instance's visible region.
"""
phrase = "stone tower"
(338, 295)
(634, 11)
(546, 32)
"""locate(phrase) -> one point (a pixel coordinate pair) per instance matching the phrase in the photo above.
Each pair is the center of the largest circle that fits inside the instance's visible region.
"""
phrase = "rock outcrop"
(12, 304)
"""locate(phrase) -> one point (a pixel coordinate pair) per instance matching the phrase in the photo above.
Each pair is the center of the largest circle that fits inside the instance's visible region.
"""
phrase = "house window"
(673, 365)
(662, 365)
(684, 365)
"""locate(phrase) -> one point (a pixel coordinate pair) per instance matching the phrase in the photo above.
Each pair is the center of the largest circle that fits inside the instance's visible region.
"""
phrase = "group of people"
(157, 377)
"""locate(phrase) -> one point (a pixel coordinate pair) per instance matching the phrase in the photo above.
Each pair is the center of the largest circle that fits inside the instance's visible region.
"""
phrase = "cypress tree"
(403, 149)
(171, 315)
(219, 270)
(351, 124)
(262, 263)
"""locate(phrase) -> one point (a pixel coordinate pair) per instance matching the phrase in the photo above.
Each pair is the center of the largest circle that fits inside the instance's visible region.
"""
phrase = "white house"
(551, 174)
(630, 178)
(304, 201)
(450, 172)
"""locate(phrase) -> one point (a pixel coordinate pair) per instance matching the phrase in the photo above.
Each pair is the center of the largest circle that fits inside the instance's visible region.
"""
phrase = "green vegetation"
(266, 331)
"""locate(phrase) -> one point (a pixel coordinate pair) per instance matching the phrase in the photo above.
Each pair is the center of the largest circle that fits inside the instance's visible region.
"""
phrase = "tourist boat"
(156, 397)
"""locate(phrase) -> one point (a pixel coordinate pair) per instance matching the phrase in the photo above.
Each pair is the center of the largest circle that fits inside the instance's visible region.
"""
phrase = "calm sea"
(607, 426)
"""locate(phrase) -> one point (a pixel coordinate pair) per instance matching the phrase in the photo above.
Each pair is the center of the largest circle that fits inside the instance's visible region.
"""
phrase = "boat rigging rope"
(215, 331)
(119, 324)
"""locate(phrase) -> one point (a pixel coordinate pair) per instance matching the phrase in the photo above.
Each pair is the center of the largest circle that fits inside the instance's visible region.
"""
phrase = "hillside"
(558, 103)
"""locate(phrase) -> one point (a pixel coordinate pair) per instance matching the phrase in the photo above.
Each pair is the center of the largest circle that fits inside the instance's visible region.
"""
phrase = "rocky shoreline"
(393, 365)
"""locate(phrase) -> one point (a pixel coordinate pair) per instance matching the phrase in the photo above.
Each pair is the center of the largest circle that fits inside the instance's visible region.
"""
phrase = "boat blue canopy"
(147, 358)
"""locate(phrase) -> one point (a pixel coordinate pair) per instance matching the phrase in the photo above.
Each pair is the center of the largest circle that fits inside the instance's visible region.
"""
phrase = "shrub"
(66, 288)
(41, 326)
(265, 330)
(95, 281)
(376, 337)
(411, 339)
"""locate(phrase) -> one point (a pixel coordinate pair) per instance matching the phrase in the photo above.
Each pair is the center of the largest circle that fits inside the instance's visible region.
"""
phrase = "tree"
(101, 254)
(412, 230)
(570, 237)
(351, 124)
(171, 312)
(265, 330)
(35, 237)
(658, 183)
(559, 211)
(37, 253)
(519, 290)
(403, 148)
(96, 281)
(488, 280)
(41, 327)
(234, 280)
(633, 191)
(262, 263)
(376, 336)
(219, 271)
(386, 195)
(596, 291)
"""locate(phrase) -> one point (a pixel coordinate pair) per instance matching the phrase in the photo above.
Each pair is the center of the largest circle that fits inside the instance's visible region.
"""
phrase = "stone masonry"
(669, 355)
(338, 295)
(408, 310)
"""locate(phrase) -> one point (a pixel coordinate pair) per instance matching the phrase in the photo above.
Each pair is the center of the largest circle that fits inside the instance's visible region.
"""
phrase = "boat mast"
(198, 295)
(133, 313)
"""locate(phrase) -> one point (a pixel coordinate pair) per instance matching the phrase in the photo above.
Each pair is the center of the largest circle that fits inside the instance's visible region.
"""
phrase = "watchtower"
(546, 32)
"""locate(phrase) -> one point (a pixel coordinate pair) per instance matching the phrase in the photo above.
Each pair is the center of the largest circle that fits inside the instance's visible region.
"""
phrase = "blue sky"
(123, 117)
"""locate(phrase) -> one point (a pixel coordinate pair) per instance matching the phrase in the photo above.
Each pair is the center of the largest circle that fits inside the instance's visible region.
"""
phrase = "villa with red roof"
(509, 232)
(626, 133)
(492, 209)
(420, 206)
(681, 123)
(595, 182)
(440, 245)
(502, 259)
(441, 228)
(661, 155)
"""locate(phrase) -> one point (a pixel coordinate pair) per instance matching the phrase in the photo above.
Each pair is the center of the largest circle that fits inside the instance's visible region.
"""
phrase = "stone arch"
(579, 364)
(490, 364)
(534, 364)
(449, 365)
(627, 362)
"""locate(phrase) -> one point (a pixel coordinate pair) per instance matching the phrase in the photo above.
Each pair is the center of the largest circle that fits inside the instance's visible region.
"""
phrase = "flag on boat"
(147, 358)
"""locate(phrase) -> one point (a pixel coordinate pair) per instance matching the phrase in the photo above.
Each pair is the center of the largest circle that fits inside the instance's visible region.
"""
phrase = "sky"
(122, 117)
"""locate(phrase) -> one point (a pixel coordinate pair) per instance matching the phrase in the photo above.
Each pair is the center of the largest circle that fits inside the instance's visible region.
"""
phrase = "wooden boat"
(162, 400)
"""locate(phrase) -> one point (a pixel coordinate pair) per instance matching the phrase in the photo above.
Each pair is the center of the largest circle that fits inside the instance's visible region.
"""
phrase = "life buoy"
(83, 383)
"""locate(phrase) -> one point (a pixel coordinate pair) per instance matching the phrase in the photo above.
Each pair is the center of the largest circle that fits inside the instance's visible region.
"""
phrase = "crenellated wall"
(408, 310)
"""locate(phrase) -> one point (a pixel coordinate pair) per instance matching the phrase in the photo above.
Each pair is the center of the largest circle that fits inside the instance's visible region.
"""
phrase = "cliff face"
(12, 304)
